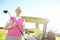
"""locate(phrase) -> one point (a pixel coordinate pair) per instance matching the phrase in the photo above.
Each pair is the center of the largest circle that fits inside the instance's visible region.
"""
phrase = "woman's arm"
(9, 26)
(6, 26)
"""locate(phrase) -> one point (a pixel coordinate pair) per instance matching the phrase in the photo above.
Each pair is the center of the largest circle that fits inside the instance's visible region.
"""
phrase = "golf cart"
(35, 32)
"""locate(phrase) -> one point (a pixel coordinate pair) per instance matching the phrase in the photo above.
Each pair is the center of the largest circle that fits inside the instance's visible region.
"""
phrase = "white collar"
(17, 17)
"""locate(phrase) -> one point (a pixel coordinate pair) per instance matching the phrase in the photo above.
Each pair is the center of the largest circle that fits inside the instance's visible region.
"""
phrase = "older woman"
(15, 26)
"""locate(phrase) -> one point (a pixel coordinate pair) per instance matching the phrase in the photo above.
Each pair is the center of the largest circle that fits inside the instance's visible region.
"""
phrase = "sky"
(49, 9)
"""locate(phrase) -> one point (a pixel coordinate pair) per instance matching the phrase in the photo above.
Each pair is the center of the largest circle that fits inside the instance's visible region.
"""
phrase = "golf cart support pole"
(44, 31)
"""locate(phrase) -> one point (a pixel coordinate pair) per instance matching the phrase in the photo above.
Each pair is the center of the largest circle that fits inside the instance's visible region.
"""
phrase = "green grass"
(57, 38)
(3, 35)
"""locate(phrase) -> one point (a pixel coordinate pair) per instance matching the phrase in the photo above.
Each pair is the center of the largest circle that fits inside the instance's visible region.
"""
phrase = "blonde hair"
(19, 8)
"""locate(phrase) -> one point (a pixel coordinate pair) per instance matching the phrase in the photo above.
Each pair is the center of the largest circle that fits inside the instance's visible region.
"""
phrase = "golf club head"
(5, 11)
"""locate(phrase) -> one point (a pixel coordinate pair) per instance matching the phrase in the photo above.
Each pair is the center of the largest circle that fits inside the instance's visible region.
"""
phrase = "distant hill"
(57, 34)
(1, 27)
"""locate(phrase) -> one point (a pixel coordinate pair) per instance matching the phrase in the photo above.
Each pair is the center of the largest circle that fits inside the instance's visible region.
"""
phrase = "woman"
(15, 26)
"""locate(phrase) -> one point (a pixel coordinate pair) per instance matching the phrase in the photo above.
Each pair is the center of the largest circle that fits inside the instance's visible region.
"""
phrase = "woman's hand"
(12, 26)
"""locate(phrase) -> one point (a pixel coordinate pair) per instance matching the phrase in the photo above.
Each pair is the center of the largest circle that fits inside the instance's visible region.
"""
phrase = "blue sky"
(49, 9)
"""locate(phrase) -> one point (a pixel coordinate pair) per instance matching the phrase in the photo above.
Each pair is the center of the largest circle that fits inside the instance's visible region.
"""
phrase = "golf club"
(6, 11)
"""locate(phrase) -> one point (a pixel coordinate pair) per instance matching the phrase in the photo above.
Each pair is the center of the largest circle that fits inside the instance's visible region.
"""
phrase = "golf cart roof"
(35, 20)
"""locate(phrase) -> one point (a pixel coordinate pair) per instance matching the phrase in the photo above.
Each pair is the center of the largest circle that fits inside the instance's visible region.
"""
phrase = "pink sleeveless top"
(15, 31)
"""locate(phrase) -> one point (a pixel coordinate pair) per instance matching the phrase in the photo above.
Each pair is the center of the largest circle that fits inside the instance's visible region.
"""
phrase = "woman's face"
(18, 11)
